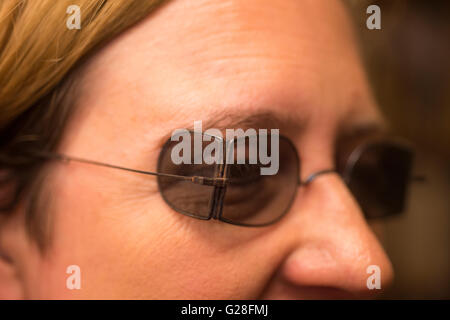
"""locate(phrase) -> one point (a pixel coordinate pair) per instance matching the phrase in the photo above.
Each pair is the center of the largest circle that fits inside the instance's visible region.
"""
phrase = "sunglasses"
(376, 171)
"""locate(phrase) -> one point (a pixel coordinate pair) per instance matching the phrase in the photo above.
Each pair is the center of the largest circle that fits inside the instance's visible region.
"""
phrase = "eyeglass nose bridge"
(220, 184)
(314, 175)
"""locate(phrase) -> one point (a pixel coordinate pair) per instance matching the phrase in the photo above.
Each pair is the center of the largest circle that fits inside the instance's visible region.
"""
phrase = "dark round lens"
(254, 199)
(182, 195)
(379, 176)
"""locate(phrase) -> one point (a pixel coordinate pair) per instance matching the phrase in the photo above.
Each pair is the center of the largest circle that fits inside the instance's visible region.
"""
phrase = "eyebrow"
(245, 120)
(362, 129)
(257, 120)
(271, 119)
(292, 122)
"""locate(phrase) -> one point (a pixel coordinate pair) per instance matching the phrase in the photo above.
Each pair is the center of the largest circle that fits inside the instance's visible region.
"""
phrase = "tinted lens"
(379, 177)
(254, 199)
(184, 196)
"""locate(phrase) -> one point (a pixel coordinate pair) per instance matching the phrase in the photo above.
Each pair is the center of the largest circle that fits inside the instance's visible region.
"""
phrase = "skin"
(295, 61)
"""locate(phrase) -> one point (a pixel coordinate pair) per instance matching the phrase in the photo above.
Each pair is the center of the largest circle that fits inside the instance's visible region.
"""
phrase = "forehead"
(203, 60)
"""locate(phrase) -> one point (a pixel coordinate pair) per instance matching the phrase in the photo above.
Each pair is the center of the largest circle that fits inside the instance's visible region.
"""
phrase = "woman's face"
(208, 60)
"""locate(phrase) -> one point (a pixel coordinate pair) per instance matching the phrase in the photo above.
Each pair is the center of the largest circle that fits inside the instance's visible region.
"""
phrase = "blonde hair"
(39, 57)
(37, 50)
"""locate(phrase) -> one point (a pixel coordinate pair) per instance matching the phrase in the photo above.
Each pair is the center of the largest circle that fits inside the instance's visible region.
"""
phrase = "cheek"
(140, 249)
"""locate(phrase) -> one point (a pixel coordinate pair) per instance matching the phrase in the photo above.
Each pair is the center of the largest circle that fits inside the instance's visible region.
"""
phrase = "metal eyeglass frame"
(217, 182)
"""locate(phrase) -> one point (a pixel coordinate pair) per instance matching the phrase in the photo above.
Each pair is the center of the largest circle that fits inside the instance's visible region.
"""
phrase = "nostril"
(5, 258)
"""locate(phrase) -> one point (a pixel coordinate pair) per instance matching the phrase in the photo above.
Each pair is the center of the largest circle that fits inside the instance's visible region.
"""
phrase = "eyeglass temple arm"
(311, 177)
(208, 181)
(220, 182)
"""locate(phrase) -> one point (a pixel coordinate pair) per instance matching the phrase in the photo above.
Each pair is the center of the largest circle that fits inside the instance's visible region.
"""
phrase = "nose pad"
(335, 247)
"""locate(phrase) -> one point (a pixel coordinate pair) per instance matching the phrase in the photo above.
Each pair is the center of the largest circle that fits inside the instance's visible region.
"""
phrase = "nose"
(334, 254)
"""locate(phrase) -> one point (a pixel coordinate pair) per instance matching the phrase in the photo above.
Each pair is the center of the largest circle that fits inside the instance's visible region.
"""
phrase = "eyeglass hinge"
(217, 182)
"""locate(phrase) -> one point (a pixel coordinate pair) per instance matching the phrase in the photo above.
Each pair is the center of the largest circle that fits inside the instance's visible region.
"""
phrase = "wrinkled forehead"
(208, 60)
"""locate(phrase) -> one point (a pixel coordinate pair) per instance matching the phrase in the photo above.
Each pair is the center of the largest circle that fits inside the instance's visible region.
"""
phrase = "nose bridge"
(335, 246)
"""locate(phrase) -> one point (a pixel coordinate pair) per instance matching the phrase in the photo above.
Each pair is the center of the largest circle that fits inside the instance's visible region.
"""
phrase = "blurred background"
(408, 62)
